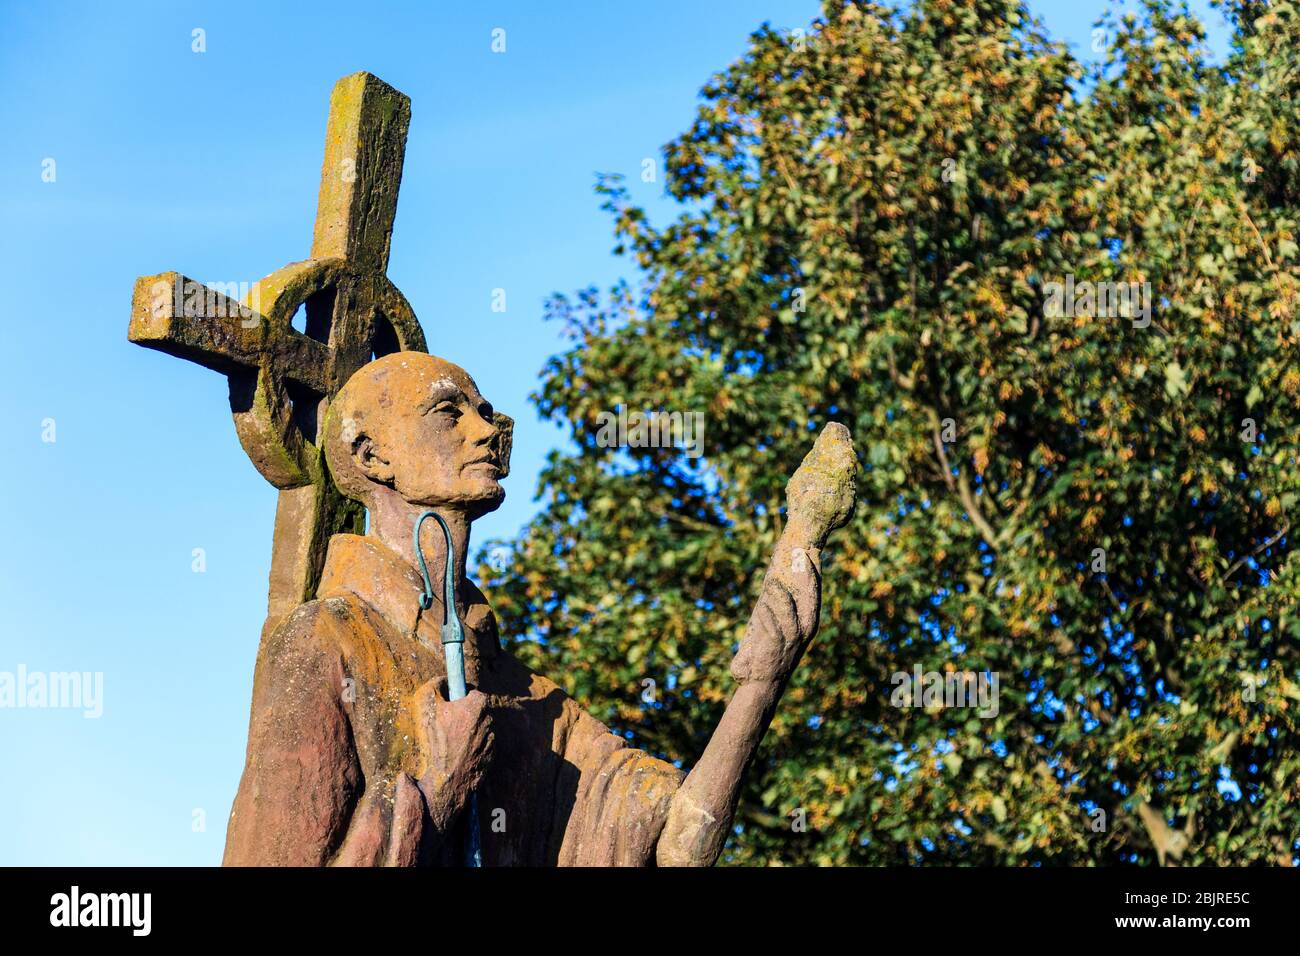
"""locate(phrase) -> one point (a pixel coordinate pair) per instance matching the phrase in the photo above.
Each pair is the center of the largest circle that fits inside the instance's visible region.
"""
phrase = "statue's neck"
(391, 520)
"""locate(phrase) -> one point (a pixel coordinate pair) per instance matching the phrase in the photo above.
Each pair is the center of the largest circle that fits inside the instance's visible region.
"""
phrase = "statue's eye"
(447, 407)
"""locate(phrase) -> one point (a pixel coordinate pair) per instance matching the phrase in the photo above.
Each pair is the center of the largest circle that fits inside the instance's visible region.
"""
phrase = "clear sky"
(208, 164)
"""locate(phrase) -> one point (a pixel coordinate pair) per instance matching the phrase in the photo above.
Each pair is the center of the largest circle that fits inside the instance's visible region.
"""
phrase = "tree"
(1056, 309)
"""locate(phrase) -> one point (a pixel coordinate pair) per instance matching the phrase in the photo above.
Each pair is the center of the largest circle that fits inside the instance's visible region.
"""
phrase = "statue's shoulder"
(321, 624)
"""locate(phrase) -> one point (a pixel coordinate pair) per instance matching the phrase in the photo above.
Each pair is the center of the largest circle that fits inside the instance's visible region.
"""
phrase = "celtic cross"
(281, 380)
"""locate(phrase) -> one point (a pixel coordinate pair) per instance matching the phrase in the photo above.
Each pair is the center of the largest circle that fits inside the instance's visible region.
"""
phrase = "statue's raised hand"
(820, 498)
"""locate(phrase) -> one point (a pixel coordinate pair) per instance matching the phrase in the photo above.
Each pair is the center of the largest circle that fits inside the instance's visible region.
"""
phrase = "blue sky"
(208, 164)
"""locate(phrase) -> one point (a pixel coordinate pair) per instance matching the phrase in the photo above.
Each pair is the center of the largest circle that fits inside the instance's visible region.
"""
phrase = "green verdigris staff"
(453, 646)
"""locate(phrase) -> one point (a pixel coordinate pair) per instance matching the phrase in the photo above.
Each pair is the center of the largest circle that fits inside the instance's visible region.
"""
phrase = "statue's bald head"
(419, 425)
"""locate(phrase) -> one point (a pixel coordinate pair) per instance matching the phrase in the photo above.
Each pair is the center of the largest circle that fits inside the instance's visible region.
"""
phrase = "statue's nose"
(486, 430)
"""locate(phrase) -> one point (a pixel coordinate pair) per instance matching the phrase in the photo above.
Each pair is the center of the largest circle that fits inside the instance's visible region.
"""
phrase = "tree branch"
(1263, 547)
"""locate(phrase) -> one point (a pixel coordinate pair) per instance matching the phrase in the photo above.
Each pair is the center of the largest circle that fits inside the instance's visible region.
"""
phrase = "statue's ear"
(368, 459)
(505, 440)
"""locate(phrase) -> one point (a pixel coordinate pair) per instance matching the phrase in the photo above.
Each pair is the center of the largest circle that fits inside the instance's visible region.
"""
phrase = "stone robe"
(335, 759)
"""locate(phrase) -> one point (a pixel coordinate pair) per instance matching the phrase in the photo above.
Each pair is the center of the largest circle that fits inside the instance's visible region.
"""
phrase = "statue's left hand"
(780, 628)
(820, 498)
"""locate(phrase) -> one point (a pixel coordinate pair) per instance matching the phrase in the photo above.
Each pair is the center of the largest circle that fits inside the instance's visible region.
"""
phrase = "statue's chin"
(491, 501)
(475, 500)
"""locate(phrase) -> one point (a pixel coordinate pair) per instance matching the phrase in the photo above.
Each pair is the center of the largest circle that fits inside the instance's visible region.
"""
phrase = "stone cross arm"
(184, 318)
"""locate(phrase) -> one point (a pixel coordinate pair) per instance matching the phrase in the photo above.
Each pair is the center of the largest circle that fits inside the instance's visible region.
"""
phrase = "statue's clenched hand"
(458, 742)
(780, 628)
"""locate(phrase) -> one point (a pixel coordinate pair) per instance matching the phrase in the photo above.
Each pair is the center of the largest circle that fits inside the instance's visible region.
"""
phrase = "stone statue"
(356, 756)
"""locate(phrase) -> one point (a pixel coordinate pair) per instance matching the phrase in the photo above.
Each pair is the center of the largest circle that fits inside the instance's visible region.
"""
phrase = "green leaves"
(1175, 380)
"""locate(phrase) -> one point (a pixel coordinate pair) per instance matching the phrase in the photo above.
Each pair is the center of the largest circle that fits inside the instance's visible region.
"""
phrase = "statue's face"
(431, 435)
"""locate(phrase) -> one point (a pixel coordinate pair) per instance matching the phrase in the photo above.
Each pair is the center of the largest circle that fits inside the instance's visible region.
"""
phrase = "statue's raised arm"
(820, 498)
